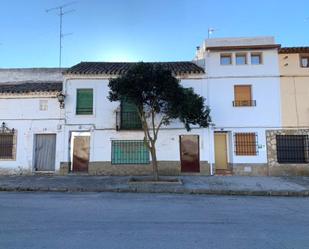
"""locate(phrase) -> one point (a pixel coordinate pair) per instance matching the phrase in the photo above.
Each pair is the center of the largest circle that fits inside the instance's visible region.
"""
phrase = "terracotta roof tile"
(116, 68)
(31, 87)
(293, 50)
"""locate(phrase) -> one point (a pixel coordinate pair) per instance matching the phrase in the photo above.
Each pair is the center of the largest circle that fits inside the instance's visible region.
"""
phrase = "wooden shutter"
(245, 144)
(84, 104)
(242, 95)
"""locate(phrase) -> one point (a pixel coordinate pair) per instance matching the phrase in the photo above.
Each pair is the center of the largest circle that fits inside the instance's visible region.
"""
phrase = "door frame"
(34, 152)
(198, 153)
(227, 144)
(73, 134)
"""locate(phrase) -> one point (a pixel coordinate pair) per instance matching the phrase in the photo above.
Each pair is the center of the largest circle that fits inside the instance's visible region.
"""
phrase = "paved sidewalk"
(223, 185)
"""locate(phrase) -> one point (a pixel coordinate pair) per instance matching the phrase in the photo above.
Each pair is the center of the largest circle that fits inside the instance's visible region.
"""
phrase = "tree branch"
(145, 129)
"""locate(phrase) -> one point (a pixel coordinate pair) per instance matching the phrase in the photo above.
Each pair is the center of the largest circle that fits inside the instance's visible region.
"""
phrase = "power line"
(62, 12)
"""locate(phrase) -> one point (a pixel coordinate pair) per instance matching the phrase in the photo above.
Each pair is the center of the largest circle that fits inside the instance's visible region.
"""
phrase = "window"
(292, 148)
(241, 59)
(129, 118)
(225, 59)
(43, 105)
(129, 152)
(256, 58)
(245, 144)
(84, 105)
(7, 145)
(304, 61)
(243, 96)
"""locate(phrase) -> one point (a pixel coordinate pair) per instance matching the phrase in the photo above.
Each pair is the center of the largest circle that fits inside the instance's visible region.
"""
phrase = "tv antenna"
(61, 12)
(210, 31)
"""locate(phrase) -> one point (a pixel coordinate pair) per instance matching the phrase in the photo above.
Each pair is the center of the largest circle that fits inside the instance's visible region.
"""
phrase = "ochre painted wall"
(294, 91)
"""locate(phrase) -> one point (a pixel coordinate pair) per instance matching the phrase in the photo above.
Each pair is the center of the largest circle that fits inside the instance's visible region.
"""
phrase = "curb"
(304, 193)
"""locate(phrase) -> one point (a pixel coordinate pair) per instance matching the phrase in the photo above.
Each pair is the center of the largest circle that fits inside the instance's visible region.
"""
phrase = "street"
(125, 221)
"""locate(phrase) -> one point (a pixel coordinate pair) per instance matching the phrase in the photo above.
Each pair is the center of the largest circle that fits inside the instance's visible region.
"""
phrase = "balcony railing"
(240, 103)
(128, 121)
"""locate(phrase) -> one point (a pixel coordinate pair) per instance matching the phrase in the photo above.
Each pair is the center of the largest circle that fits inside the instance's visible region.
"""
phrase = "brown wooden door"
(81, 153)
(190, 153)
(221, 150)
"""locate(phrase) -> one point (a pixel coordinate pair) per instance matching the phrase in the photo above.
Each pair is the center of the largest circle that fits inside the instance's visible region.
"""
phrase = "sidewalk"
(219, 185)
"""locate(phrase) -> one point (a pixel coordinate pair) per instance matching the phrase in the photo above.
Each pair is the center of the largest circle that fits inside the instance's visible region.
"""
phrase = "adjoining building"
(243, 85)
(31, 120)
(107, 138)
(288, 148)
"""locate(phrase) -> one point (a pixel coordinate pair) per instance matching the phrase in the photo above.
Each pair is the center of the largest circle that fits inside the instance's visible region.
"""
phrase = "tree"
(159, 98)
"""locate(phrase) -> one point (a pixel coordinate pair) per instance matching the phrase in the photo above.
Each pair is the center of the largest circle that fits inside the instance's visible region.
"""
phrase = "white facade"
(102, 124)
(30, 114)
(265, 89)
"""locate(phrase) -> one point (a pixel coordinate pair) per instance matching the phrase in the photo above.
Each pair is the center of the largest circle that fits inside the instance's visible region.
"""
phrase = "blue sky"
(139, 30)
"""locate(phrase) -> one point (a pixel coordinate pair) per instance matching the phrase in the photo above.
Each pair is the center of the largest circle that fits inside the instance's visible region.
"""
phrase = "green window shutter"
(129, 116)
(129, 152)
(84, 105)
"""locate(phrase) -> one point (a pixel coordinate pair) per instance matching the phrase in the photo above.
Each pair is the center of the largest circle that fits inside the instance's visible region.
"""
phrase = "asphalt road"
(125, 221)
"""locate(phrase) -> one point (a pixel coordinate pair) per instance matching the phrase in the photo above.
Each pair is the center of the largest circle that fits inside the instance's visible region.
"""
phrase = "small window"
(292, 148)
(241, 59)
(243, 96)
(245, 144)
(84, 105)
(43, 105)
(304, 61)
(225, 59)
(129, 152)
(256, 58)
(6, 145)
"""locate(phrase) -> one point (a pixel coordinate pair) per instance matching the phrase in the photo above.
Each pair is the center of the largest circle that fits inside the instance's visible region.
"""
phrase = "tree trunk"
(154, 163)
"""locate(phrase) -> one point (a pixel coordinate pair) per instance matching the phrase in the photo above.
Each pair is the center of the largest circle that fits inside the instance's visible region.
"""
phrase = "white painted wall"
(24, 116)
(102, 123)
(14, 75)
(266, 92)
(269, 66)
(104, 116)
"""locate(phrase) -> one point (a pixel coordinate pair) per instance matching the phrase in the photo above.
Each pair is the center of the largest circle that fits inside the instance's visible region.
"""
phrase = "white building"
(31, 120)
(99, 144)
(244, 96)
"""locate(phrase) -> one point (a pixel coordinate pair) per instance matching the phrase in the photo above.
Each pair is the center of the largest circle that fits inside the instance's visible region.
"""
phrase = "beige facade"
(294, 88)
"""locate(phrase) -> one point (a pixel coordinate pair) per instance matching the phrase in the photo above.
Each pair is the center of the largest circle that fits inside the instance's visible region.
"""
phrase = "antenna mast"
(61, 13)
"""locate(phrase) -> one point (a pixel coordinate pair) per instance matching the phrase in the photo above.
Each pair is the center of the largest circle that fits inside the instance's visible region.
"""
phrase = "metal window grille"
(237, 103)
(6, 145)
(292, 148)
(128, 121)
(129, 152)
(246, 144)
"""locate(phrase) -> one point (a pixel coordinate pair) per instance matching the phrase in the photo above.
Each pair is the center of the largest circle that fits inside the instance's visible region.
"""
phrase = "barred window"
(6, 146)
(292, 148)
(245, 144)
(129, 152)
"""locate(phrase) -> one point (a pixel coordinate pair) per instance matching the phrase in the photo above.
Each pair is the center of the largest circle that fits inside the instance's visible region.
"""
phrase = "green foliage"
(154, 90)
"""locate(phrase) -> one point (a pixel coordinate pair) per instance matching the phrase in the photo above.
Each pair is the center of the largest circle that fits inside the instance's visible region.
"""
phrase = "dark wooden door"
(45, 152)
(81, 153)
(189, 153)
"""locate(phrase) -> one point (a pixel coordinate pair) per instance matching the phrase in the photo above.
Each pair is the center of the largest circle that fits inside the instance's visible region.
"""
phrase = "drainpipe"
(210, 133)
